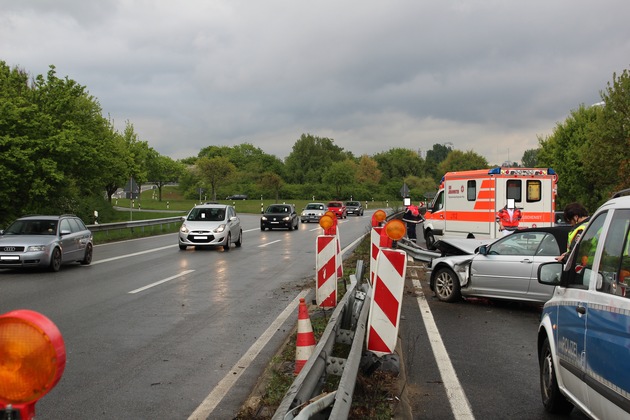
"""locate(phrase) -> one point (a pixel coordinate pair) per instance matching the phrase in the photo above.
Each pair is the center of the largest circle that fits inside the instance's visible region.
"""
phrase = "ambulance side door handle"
(580, 309)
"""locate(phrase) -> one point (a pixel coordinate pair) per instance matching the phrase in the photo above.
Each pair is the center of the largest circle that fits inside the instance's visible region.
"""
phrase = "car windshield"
(314, 207)
(207, 214)
(334, 204)
(278, 209)
(32, 227)
(353, 203)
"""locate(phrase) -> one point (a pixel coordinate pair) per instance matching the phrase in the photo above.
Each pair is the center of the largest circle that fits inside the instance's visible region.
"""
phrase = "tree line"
(60, 154)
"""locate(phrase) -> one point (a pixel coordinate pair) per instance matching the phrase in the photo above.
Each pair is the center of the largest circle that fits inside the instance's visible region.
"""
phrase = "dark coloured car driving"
(281, 216)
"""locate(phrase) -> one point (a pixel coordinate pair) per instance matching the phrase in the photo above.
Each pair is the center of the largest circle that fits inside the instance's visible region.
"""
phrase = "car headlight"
(263, 218)
(36, 248)
(184, 229)
(286, 219)
(220, 229)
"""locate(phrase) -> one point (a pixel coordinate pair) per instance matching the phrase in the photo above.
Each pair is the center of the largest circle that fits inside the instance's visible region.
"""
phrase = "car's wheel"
(429, 238)
(239, 242)
(182, 247)
(87, 258)
(446, 286)
(226, 246)
(262, 228)
(55, 260)
(552, 398)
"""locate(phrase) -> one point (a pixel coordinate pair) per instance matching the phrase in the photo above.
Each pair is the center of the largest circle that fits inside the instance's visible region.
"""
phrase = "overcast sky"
(483, 75)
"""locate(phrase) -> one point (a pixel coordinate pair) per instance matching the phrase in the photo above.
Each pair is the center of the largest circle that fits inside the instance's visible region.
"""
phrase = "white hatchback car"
(584, 333)
(211, 225)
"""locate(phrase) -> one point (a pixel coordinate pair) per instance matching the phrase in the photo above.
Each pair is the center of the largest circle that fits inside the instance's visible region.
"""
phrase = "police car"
(584, 333)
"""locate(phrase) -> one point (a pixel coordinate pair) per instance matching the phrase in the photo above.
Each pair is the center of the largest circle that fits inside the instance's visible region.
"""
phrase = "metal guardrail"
(417, 253)
(347, 325)
(134, 224)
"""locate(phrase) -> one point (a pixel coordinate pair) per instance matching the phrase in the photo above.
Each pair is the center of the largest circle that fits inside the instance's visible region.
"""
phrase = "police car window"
(615, 263)
(581, 263)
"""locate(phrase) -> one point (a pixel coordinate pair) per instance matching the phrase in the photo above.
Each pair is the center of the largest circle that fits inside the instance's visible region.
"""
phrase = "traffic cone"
(305, 343)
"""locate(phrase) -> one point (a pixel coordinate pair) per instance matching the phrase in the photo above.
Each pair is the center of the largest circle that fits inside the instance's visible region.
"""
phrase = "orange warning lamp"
(378, 217)
(32, 359)
(327, 221)
(395, 229)
(331, 214)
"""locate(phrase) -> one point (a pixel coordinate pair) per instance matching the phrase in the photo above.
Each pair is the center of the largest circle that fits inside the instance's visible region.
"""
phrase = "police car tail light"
(32, 359)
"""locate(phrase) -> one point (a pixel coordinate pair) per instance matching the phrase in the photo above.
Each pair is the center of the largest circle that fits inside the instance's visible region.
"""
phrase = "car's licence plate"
(9, 257)
(200, 237)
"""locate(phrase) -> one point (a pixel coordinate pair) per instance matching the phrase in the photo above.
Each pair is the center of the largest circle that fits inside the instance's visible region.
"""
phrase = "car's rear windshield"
(207, 214)
(32, 227)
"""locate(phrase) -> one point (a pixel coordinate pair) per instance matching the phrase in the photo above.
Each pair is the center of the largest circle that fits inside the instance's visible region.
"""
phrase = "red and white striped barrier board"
(384, 318)
(375, 239)
(326, 267)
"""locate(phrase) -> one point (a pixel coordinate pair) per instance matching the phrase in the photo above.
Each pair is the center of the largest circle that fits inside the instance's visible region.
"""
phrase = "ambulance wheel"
(429, 238)
(446, 285)
(552, 398)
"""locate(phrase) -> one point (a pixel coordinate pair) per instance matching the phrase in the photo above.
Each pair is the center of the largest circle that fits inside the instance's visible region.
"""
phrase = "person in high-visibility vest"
(509, 217)
(577, 216)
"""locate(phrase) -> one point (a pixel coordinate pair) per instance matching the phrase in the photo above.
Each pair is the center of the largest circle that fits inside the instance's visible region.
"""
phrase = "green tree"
(214, 171)
(435, 156)
(310, 157)
(462, 161)
(607, 151)
(564, 150)
(530, 158)
(271, 181)
(163, 170)
(398, 163)
(340, 174)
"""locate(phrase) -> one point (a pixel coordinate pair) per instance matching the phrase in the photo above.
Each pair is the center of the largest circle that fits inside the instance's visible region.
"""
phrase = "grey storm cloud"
(489, 76)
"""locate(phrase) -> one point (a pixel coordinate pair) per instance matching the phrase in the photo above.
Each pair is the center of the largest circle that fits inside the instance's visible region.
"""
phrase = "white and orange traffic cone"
(305, 343)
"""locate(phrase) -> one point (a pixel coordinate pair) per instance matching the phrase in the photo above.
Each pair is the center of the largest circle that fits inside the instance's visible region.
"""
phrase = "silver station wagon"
(45, 241)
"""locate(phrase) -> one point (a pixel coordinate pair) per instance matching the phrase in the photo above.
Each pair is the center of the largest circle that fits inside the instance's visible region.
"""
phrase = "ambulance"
(467, 202)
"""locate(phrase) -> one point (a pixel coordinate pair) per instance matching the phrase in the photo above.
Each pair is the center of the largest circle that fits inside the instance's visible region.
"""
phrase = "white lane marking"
(218, 393)
(457, 398)
(268, 243)
(250, 230)
(183, 273)
(120, 257)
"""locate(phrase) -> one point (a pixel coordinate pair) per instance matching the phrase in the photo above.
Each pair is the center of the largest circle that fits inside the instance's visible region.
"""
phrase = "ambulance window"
(534, 189)
(471, 190)
(438, 203)
(514, 188)
(615, 263)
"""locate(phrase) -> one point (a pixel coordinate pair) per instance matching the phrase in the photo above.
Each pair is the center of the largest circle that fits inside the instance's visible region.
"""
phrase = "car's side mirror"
(483, 250)
(65, 232)
(550, 273)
